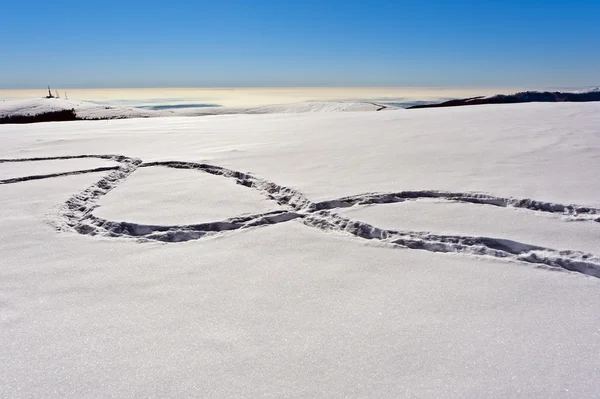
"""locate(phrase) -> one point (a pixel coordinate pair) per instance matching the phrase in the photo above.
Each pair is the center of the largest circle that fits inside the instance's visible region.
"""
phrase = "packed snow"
(427, 253)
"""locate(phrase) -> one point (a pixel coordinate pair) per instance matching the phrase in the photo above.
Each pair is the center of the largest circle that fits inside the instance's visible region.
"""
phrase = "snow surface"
(299, 303)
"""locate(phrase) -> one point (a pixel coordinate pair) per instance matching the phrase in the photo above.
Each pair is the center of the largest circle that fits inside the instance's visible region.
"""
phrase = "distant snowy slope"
(590, 90)
(314, 106)
(88, 110)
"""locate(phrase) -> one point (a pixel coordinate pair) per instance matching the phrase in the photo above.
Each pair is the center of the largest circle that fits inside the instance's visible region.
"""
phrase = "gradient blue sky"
(299, 43)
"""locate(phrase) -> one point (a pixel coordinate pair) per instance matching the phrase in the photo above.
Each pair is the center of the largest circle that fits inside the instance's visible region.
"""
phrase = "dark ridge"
(50, 116)
(522, 97)
(408, 104)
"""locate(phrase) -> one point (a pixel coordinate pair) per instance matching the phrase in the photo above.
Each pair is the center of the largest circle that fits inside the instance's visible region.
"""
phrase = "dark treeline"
(50, 116)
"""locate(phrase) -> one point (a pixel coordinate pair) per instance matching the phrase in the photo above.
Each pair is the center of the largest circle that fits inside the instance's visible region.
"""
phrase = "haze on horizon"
(250, 97)
(236, 43)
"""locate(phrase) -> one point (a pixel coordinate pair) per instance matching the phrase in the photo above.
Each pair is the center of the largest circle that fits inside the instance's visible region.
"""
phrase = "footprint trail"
(76, 215)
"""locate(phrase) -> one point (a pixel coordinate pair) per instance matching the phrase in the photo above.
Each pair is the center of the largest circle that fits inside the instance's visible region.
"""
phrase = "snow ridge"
(76, 215)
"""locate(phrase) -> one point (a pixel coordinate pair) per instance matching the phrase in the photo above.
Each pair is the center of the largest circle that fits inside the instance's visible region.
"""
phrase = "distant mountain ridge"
(522, 97)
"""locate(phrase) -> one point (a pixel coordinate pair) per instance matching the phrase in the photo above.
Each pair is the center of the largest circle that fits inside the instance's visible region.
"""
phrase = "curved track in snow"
(76, 214)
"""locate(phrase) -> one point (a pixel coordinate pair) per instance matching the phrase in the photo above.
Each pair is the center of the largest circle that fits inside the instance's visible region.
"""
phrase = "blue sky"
(299, 43)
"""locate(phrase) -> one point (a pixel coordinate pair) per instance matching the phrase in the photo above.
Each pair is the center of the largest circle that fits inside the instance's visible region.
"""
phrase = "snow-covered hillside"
(430, 253)
(589, 90)
(88, 110)
(309, 106)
